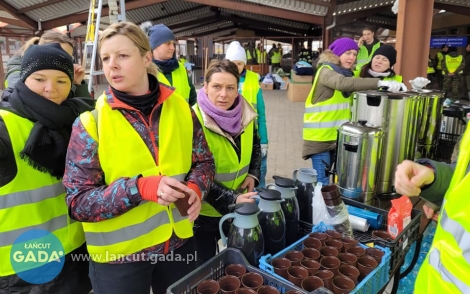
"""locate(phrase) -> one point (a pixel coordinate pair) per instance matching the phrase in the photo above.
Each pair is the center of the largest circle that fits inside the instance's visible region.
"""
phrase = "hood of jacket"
(328, 56)
(248, 116)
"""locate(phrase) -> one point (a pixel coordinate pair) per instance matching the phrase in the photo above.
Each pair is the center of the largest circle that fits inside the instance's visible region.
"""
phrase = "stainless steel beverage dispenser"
(430, 113)
(358, 158)
(397, 114)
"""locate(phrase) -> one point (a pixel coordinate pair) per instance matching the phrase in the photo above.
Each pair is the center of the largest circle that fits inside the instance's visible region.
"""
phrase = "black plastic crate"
(399, 247)
(445, 146)
(215, 269)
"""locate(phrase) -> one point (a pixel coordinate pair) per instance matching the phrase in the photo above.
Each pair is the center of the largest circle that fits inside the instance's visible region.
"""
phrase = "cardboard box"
(298, 92)
(295, 79)
(266, 86)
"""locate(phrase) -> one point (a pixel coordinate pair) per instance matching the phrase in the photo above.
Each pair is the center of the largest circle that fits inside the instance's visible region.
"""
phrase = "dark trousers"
(138, 277)
(73, 279)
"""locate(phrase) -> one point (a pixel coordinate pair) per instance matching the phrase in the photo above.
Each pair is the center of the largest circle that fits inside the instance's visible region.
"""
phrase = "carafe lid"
(270, 194)
(283, 182)
(453, 111)
(360, 129)
(246, 208)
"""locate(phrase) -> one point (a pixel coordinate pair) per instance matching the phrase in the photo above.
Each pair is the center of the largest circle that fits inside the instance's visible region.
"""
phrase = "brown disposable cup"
(312, 266)
(348, 242)
(229, 284)
(375, 253)
(365, 265)
(245, 291)
(356, 250)
(333, 235)
(331, 195)
(208, 287)
(329, 251)
(342, 284)
(295, 257)
(296, 275)
(235, 269)
(310, 253)
(330, 263)
(312, 283)
(281, 265)
(348, 258)
(335, 243)
(293, 292)
(327, 278)
(349, 271)
(252, 280)
(182, 203)
(319, 235)
(268, 290)
(311, 242)
(383, 235)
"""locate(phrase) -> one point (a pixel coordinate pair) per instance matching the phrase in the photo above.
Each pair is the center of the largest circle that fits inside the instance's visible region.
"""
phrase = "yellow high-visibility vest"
(32, 200)
(180, 81)
(123, 153)
(446, 268)
(363, 55)
(440, 57)
(453, 63)
(322, 119)
(229, 171)
(276, 57)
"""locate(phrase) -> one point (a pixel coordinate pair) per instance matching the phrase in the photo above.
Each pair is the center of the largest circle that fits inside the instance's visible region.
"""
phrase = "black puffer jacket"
(219, 196)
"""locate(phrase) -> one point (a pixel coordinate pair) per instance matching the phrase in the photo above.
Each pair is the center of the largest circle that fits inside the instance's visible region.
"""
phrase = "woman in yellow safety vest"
(380, 66)
(327, 106)
(35, 125)
(229, 125)
(125, 164)
(446, 268)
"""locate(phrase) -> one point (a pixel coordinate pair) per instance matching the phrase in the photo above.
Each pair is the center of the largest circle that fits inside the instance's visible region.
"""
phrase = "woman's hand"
(410, 177)
(248, 184)
(430, 213)
(195, 208)
(167, 194)
(78, 74)
(246, 197)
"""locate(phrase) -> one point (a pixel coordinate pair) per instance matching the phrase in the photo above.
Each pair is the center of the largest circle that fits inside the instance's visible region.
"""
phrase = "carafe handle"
(224, 218)
(294, 174)
(269, 186)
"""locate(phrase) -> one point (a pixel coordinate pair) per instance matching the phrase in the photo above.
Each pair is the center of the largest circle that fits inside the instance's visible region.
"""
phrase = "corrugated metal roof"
(6, 14)
(294, 5)
(264, 18)
(465, 3)
(361, 5)
(220, 25)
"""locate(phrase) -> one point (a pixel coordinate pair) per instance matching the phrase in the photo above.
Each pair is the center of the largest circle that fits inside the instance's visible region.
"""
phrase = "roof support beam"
(452, 8)
(207, 33)
(39, 5)
(178, 13)
(13, 21)
(252, 22)
(193, 22)
(346, 17)
(263, 10)
(318, 2)
(81, 17)
(25, 21)
(195, 26)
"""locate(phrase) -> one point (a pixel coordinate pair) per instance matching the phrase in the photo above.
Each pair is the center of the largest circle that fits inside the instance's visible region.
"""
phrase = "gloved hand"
(393, 86)
(419, 83)
(264, 150)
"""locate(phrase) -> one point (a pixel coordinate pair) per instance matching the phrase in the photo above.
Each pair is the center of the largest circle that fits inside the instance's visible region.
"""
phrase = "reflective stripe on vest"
(447, 266)
(363, 55)
(322, 119)
(149, 223)
(180, 81)
(229, 170)
(453, 63)
(32, 200)
(440, 57)
(276, 57)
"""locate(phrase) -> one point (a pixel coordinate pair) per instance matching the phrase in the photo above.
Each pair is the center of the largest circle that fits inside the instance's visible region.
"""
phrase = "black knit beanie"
(48, 56)
(387, 51)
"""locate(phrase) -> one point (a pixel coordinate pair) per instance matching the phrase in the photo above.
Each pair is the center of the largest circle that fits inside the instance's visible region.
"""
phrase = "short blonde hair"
(47, 38)
(135, 34)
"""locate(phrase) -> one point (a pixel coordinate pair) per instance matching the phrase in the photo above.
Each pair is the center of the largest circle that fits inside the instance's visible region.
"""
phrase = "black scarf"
(343, 71)
(167, 66)
(46, 146)
(144, 103)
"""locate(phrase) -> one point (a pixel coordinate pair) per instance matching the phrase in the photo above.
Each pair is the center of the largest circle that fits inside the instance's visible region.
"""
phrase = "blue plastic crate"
(373, 283)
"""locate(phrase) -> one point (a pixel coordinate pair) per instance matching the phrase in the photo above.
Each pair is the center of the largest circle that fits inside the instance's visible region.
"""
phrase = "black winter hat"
(387, 51)
(48, 56)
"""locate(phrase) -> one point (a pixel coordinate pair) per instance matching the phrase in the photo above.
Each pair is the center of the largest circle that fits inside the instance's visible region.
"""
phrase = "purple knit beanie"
(342, 45)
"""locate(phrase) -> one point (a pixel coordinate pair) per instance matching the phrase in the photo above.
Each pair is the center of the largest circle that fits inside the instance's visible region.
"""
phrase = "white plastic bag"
(318, 205)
